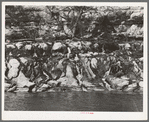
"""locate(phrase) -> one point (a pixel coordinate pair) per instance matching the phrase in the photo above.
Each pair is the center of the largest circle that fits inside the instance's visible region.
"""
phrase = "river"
(73, 101)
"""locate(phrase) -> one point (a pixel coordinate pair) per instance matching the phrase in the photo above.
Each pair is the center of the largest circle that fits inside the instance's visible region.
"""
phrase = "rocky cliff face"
(129, 20)
(57, 66)
(89, 64)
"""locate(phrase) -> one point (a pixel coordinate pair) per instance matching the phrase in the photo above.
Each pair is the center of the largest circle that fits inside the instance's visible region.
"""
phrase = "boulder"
(44, 87)
(137, 70)
(98, 89)
(122, 84)
(127, 46)
(89, 54)
(133, 85)
(94, 63)
(51, 90)
(23, 60)
(12, 89)
(69, 71)
(34, 44)
(19, 45)
(87, 68)
(138, 15)
(43, 46)
(63, 81)
(28, 47)
(141, 84)
(95, 54)
(68, 81)
(106, 85)
(76, 89)
(14, 63)
(52, 82)
(10, 46)
(116, 83)
(132, 29)
(87, 44)
(12, 73)
(60, 64)
(19, 89)
(87, 84)
(130, 87)
(8, 31)
(59, 49)
(121, 46)
(76, 58)
(76, 44)
(122, 28)
(135, 31)
(79, 78)
(22, 81)
(57, 46)
(124, 77)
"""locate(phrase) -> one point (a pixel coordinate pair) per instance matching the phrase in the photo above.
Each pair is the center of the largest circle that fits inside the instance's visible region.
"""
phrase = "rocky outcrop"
(135, 31)
(82, 74)
(91, 63)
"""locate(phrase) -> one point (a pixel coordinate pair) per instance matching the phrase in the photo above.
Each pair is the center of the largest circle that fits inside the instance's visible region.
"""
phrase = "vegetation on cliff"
(60, 48)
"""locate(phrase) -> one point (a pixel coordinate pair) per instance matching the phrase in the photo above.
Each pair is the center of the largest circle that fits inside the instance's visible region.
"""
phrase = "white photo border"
(63, 115)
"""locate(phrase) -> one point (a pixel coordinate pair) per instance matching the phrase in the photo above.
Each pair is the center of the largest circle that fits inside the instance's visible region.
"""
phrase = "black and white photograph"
(74, 61)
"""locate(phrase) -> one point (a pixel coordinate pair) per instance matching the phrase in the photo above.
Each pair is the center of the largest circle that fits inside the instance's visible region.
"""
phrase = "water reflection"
(73, 101)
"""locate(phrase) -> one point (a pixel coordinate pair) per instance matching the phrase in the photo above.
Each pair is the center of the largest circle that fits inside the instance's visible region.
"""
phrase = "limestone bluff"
(88, 53)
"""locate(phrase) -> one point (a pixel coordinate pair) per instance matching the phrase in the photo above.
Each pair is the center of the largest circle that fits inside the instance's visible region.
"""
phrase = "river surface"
(73, 101)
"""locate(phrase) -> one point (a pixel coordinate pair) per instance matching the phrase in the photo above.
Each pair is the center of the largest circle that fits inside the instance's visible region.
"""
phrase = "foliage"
(22, 21)
(61, 22)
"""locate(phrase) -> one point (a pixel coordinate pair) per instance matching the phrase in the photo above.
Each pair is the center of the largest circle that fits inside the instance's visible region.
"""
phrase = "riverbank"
(87, 51)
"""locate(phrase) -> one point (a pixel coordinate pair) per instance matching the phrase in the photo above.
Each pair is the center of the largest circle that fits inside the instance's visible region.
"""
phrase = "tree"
(26, 20)
(60, 22)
